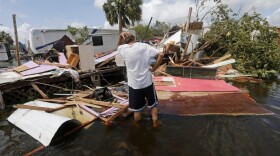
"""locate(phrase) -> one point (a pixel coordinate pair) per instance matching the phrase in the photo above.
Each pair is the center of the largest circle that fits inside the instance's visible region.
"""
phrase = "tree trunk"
(120, 23)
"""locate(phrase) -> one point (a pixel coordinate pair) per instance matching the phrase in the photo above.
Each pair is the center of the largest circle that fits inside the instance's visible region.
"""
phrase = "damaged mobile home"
(42, 40)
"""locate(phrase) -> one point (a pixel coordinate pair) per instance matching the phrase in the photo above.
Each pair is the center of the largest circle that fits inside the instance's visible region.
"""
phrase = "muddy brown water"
(196, 135)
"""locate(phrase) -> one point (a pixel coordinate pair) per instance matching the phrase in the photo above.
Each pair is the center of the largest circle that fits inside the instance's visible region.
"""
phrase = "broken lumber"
(117, 114)
(39, 90)
(46, 109)
(100, 103)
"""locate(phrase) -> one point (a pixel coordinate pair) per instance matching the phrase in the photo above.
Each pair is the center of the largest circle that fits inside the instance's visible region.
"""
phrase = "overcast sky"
(60, 13)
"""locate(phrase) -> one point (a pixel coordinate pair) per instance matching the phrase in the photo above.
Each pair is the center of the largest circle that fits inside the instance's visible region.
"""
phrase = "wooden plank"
(39, 90)
(117, 114)
(32, 107)
(100, 103)
(82, 103)
(65, 89)
(54, 100)
(73, 60)
(222, 58)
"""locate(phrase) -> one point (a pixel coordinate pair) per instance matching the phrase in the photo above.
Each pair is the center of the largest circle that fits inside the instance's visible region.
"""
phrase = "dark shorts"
(138, 97)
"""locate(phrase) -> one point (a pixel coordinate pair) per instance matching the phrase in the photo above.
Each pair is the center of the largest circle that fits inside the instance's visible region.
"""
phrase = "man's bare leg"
(137, 116)
(155, 117)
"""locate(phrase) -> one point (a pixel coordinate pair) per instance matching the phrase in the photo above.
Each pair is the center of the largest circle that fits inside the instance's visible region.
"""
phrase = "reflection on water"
(201, 135)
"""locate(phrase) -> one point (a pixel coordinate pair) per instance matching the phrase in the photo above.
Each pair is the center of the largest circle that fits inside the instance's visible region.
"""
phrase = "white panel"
(87, 59)
(40, 125)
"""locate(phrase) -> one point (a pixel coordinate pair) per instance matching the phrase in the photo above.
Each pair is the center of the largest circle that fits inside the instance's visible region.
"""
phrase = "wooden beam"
(39, 90)
(2, 104)
(54, 86)
(54, 100)
(32, 107)
(100, 103)
(117, 114)
(187, 30)
(189, 20)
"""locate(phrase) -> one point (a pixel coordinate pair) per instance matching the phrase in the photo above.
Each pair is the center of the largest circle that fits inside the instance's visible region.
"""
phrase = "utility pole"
(16, 38)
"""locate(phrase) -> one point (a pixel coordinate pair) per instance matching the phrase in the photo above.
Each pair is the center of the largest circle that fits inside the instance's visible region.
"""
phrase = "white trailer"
(5, 54)
(103, 40)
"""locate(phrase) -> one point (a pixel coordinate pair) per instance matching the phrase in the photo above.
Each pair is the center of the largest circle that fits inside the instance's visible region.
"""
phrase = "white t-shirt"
(136, 57)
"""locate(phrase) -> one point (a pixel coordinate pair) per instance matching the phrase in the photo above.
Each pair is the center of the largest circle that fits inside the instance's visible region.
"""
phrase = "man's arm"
(158, 62)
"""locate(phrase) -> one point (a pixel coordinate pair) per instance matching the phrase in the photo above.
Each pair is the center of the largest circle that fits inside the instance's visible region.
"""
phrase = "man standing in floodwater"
(139, 74)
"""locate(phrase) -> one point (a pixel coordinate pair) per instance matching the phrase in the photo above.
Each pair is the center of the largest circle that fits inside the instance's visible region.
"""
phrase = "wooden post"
(39, 90)
(28, 47)
(187, 30)
(2, 104)
(16, 39)
(189, 20)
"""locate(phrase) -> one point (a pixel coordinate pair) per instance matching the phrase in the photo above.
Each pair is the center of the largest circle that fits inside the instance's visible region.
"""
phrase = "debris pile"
(185, 57)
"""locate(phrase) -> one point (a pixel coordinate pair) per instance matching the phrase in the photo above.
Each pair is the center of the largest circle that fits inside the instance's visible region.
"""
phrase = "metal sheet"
(40, 125)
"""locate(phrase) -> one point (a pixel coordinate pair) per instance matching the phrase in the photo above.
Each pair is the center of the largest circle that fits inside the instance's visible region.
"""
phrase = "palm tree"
(124, 12)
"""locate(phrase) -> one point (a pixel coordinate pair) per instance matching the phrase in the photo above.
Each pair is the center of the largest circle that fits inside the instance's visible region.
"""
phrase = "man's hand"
(151, 69)
(158, 62)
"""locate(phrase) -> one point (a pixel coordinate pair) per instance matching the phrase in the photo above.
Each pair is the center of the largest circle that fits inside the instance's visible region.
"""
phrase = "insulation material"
(195, 85)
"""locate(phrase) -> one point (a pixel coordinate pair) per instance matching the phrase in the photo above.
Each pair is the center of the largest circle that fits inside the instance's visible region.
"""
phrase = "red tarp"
(194, 85)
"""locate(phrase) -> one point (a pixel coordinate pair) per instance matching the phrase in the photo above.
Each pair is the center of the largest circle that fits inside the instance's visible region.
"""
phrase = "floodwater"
(197, 135)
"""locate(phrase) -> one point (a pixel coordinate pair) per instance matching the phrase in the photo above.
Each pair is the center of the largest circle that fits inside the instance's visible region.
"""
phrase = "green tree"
(5, 37)
(160, 28)
(249, 38)
(124, 12)
(140, 32)
(79, 34)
